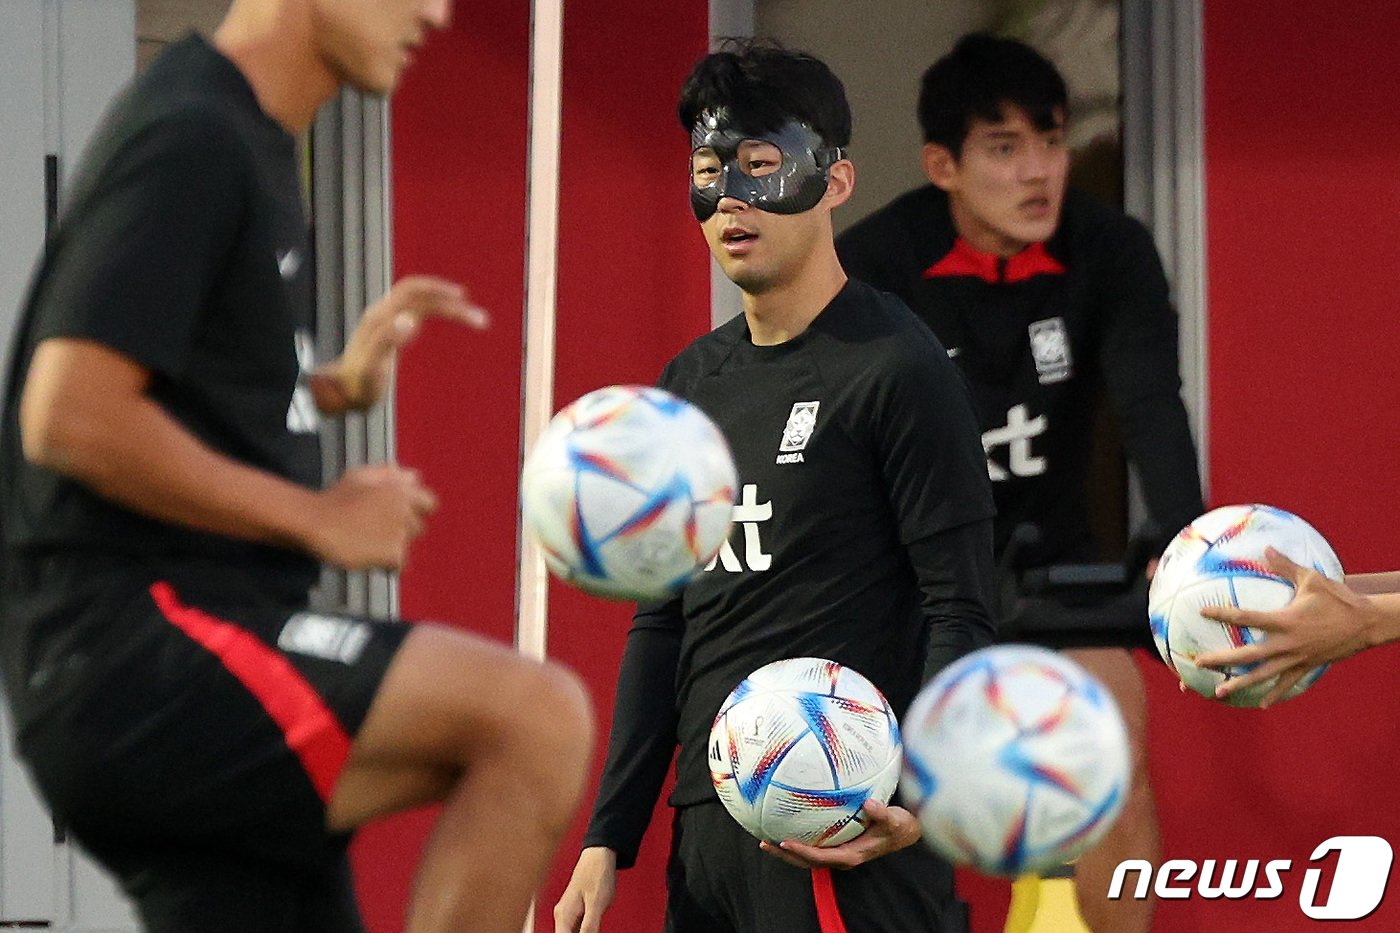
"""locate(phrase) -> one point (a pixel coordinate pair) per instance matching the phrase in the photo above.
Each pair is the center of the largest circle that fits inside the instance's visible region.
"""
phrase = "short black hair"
(763, 85)
(978, 78)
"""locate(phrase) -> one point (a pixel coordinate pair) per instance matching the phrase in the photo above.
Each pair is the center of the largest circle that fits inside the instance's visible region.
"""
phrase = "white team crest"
(1050, 347)
(802, 420)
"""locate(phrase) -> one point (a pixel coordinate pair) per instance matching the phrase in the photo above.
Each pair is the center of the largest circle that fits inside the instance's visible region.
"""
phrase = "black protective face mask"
(797, 184)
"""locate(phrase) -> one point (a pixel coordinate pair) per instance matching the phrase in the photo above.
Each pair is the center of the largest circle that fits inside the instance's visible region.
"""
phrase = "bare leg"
(502, 742)
(1135, 835)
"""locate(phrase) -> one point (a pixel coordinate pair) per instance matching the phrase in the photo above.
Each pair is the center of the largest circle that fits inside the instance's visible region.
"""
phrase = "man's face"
(1007, 188)
(756, 249)
(368, 43)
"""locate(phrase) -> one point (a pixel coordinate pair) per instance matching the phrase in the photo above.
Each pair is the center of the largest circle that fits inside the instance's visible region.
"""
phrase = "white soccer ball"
(799, 747)
(629, 492)
(1015, 760)
(1218, 560)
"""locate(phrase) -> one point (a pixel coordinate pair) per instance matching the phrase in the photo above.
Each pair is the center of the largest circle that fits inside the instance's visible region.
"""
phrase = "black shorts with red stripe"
(719, 881)
(189, 727)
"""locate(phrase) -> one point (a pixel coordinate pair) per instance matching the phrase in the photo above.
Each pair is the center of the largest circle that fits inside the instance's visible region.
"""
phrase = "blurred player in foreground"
(207, 738)
(862, 533)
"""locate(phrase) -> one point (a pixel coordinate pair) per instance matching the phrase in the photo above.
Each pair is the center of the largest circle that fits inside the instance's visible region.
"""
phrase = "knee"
(562, 716)
(552, 732)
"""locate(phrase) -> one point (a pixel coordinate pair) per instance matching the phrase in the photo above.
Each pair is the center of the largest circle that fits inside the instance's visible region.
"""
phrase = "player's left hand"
(888, 829)
(359, 377)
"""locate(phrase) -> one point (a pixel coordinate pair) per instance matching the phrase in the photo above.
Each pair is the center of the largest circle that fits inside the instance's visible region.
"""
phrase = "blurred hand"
(360, 376)
(888, 829)
(370, 517)
(590, 892)
(1325, 622)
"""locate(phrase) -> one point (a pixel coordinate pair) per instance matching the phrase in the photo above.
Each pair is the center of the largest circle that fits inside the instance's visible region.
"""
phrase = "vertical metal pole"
(351, 224)
(541, 281)
(1164, 170)
(541, 277)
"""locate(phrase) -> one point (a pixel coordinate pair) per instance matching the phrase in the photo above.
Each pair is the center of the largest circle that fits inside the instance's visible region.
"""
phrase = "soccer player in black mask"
(862, 532)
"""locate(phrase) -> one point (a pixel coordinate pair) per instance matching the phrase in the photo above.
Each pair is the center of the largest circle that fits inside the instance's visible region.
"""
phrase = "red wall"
(633, 290)
(1302, 153)
(459, 135)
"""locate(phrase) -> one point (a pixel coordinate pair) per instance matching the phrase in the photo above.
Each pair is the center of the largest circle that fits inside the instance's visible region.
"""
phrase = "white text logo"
(1358, 879)
(1016, 436)
(747, 514)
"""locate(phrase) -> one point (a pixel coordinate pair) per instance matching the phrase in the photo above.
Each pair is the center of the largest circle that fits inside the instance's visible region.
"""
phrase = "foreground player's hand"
(1325, 622)
(888, 829)
(369, 518)
(590, 892)
(359, 377)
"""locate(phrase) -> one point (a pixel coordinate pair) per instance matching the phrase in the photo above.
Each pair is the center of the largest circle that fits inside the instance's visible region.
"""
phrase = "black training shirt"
(183, 246)
(1038, 337)
(861, 535)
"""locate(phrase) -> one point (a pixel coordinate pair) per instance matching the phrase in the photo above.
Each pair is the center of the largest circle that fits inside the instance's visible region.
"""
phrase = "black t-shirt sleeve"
(926, 436)
(643, 738)
(135, 268)
(1139, 357)
(956, 577)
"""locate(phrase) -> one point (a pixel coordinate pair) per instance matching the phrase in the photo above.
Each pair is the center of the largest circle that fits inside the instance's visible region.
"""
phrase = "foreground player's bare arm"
(86, 413)
(1374, 584)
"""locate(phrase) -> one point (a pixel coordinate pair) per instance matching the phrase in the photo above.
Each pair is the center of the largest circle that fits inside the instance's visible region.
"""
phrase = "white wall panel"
(61, 61)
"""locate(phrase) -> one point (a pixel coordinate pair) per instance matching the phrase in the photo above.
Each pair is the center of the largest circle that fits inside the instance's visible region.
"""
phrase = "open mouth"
(735, 235)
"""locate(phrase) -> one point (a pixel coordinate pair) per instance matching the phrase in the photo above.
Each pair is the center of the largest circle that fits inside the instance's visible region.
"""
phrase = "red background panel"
(633, 290)
(459, 167)
(1302, 153)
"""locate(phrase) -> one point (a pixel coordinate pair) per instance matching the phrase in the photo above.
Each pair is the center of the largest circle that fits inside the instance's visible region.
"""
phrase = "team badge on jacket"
(1050, 347)
(802, 420)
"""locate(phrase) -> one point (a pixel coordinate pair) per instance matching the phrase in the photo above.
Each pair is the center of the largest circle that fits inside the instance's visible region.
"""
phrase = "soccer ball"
(1016, 760)
(628, 492)
(1218, 560)
(799, 747)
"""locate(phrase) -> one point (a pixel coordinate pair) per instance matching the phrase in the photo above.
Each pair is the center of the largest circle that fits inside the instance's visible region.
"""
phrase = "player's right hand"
(1325, 622)
(590, 892)
(369, 518)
